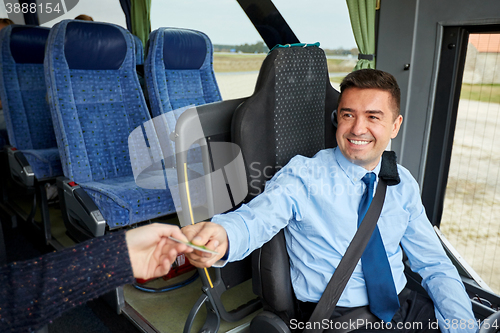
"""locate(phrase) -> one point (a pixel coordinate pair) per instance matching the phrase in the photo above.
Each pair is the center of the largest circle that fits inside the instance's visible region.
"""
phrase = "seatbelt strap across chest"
(342, 274)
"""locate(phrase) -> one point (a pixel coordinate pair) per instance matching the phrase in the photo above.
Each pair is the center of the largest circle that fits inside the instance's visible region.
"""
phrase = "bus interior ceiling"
(450, 101)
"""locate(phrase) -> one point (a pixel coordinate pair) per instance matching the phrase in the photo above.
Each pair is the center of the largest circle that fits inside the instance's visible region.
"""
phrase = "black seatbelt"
(342, 274)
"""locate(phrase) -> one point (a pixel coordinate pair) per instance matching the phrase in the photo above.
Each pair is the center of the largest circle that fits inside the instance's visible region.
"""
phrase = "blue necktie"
(380, 287)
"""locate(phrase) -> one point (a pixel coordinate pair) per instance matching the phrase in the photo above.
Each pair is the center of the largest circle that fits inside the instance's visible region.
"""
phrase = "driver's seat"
(288, 114)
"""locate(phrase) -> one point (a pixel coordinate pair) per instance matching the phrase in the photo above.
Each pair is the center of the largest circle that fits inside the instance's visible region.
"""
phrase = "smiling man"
(318, 201)
(367, 119)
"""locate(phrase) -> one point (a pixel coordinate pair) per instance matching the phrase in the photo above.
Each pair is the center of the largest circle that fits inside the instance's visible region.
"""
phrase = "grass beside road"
(481, 92)
(249, 62)
(237, 62)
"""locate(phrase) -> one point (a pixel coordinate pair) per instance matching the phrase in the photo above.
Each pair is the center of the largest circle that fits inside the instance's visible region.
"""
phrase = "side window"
(472, 201)
(331, 27)
(102, 11)
(238, 48)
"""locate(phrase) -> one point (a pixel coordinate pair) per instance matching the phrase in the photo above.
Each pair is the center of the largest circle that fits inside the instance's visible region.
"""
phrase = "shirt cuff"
(223, 261)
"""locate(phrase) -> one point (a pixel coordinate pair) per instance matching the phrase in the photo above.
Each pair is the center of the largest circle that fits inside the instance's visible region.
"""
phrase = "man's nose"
(359, 126)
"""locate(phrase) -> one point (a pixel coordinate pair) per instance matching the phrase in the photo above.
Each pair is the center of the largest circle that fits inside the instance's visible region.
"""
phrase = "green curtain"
(140, 18)
(362, 14)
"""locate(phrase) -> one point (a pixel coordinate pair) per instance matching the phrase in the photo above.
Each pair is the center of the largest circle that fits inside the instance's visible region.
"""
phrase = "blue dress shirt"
(316, 200)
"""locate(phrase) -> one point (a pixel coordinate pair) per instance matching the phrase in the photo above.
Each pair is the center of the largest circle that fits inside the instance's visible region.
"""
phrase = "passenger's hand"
(151, 251)
(210, 235)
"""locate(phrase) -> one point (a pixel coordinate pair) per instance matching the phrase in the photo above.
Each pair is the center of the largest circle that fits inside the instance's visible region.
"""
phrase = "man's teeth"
(356, 142)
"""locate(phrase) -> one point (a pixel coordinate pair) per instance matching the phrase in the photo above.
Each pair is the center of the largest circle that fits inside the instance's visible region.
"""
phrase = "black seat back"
(288, 114)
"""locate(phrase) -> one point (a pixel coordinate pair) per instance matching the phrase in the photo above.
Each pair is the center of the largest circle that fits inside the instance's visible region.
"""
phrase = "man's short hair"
(6, 21)
(373, 79)
(84, 17)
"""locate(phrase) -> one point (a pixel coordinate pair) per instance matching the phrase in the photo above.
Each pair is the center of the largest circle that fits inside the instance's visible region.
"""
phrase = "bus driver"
(319, 226)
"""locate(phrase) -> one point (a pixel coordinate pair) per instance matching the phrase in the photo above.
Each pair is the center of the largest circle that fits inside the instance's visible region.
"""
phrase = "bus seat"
(96, 102)
(179, 73)
(298, 78)
(288, 114)
(26, 111)
(32, 156)
(179, 70)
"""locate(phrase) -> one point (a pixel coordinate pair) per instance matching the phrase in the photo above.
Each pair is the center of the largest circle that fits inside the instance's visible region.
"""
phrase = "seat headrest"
(183, 49)
(27, 44)
(288, 114)
(94, 46)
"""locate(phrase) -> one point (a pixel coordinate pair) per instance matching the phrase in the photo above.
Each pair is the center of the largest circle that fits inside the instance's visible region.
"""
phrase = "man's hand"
(212, 236)
(151, 251)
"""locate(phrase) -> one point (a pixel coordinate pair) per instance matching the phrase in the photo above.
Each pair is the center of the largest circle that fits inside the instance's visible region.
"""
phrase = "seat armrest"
(216, 117)
(198, 125)
(20, 169)
(204, 121)
(80, 207)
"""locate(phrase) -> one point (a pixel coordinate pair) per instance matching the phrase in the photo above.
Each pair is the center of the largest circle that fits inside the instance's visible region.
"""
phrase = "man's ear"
(334, 118)
(397, 126)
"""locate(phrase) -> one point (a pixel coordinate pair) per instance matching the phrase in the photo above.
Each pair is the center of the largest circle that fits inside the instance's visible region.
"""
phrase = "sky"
(326, 21)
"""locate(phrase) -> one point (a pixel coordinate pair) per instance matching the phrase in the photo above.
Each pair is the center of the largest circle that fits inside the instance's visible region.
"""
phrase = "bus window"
(335, 35)
(238, 48)
(471, 211)
(102, 11)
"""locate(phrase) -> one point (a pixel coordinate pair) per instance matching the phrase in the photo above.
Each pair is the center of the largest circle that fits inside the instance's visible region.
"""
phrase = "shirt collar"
(354, 172)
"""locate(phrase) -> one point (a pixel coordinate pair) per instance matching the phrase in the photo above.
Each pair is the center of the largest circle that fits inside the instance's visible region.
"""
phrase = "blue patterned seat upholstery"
(179, 73)
(23, 95)
(179, 70)
(96, 102)
(139, 51)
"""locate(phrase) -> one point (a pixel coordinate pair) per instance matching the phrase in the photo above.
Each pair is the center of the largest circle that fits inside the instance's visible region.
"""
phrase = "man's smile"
(358, 142)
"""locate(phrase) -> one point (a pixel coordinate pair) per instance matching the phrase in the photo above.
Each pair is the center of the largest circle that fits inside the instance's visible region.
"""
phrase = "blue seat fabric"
(120, 199)
(179, 73)
(139, 51)
(94, 111)
(23, 95)
(179, 70)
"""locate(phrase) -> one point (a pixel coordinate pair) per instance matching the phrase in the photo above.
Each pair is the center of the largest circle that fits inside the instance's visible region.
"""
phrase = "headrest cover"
(27, 44)
(96, 46)
(389, 168)
(293, 45)
(183, 49)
